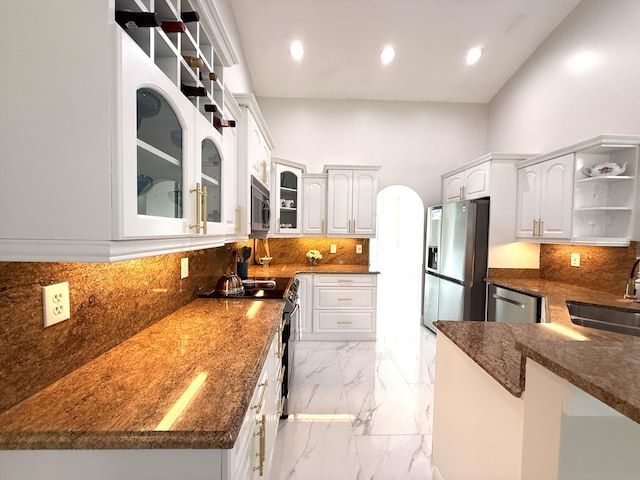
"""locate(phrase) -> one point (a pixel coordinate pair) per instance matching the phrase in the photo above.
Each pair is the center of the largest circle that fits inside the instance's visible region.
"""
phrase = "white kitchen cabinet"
(351, 201)
(544, 202)
(496, 175)
(254, 155)
(604, 205)
(252, 454)
(473, 182)
(108, 85)
(314, 206)
(286, 198)
(339, 307)
(230, 205)
(305, 294)
(558, 199)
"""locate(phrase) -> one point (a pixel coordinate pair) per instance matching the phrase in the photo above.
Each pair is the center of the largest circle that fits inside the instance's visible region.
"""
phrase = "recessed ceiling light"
(387, 54)
(296, 50)
(473, 55)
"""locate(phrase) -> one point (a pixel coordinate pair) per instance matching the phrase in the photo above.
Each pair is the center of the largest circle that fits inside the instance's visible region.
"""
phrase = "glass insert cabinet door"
(159, 156)
(211, 178)
(288, 200)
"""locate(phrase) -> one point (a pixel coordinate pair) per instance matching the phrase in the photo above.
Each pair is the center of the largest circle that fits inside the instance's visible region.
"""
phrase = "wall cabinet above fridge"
(581, 194)
(492, 175)
(109, 169)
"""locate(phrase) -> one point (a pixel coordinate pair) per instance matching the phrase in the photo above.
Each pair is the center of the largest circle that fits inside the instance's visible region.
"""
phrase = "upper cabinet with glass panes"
(141, 140)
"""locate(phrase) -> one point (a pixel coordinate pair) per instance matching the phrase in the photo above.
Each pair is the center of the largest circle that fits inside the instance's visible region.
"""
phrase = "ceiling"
(343, 39)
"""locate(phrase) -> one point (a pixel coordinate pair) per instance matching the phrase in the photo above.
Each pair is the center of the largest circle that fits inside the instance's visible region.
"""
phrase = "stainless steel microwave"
(260, 209)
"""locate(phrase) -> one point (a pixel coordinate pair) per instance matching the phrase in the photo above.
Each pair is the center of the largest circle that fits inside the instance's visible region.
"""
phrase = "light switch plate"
(358, 248)
(55, 303)
(184, 267)
(333, 248)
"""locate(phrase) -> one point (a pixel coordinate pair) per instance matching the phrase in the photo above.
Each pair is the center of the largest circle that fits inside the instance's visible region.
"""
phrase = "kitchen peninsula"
(511, 398)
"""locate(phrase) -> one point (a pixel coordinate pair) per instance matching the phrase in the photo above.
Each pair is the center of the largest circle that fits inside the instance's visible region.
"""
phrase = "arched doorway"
(397, 253)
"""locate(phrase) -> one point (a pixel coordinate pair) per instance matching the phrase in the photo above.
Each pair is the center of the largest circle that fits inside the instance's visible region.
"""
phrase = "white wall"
(549, 103)
(413, 142)
(236, 78)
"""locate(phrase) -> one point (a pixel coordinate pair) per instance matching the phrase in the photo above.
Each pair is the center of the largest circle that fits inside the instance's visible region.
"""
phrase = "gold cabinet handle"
(258, 406)
(262, 454)
(345, 299)
(198, 192)
(281, 376)
(204, 209)
(281, 410)
(322, 226)
(540, 228)
(344, 323)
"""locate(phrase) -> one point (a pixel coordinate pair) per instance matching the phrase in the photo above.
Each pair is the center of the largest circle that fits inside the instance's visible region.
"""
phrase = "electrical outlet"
(575, 259)
(184, 267)
(333, 248)
(55, 303)
(358, 248)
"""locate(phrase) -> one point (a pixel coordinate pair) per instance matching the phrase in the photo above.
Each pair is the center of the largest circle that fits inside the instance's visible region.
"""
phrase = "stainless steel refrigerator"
(455, 257)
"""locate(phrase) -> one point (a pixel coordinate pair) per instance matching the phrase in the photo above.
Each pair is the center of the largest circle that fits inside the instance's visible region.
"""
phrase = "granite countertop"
(289, 270)
(119, 399)
(606, 365)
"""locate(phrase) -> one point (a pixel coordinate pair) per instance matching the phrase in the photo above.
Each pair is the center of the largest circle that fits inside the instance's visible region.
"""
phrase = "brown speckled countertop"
(117, 400)
(605, 365)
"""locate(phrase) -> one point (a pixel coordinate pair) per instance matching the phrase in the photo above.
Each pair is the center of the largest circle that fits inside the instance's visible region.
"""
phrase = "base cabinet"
(338, 306)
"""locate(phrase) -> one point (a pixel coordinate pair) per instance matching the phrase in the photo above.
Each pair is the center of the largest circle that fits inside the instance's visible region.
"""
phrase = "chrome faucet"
(631, 283)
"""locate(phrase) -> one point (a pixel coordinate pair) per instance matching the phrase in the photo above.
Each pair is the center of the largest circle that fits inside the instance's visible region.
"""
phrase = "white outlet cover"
(333, 248)
(184, 267)
(358, 248)
(55, 303)
(575, 259)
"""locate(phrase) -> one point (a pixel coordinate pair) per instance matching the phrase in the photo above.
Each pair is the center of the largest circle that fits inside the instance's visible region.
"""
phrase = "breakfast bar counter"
(596, 361)
(529, 401)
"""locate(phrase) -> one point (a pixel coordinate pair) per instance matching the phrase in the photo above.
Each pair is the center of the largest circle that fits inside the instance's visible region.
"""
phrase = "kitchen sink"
(603, 317)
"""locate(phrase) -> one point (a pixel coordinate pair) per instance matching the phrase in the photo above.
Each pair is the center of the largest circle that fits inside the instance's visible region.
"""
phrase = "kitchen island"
(118, 411)
(537, 400)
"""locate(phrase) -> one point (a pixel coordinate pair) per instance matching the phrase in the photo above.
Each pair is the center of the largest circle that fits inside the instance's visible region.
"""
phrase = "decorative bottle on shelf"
(193, 62)
(210, 76)
(223, 123)
(188, 17)
(173, 26)
(128, 19)
(191, 91)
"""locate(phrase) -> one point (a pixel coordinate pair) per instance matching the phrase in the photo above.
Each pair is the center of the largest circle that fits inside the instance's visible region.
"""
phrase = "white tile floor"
(361, 410)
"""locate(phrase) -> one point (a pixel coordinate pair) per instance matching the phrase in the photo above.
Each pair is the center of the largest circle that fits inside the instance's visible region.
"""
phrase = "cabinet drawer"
(342, 280)
(333, 297)
(333, 321)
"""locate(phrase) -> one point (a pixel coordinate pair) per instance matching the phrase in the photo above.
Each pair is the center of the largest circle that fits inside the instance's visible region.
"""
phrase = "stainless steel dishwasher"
(509, 306)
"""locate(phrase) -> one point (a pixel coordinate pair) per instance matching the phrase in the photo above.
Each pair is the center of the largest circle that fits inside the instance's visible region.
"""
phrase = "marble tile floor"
(361, 410)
